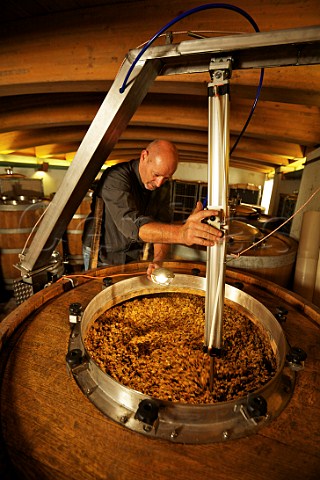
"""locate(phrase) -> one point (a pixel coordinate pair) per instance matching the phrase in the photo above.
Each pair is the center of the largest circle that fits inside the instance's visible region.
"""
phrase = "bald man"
(137, 210)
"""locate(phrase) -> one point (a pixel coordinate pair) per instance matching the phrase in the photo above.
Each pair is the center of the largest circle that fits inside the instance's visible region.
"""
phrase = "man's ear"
(144, 155)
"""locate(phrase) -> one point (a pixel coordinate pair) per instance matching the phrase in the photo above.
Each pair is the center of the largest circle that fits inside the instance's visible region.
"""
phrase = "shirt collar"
(135, 166)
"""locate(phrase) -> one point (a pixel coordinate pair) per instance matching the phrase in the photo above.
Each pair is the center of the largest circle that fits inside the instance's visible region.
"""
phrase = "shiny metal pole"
(218, 165)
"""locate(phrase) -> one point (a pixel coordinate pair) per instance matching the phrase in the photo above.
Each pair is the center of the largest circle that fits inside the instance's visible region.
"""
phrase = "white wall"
(310, 183)
(185, 171)
(198, 173)
(51, 180)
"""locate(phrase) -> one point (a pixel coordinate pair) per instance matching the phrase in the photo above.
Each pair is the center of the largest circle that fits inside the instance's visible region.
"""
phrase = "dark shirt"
(127, 206)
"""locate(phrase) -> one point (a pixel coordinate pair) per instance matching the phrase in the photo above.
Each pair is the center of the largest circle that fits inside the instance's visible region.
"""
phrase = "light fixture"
(162, 276)
(43, 167)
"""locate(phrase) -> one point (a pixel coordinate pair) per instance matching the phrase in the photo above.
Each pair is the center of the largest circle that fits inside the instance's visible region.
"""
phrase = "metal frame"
(218, 168)
(257, 50)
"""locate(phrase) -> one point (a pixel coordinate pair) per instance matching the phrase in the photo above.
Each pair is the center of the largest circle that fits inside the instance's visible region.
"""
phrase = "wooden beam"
(265, 159)
(250, 166)
(46, 151)
(20, 139)
(286, 123)
(265, 146)
(44, 56)
(298, 85)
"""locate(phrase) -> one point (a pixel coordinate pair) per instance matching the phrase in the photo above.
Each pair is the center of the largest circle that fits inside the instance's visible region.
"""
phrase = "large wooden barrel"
(72, 240)
(51, 430)
(273, 259)
(17, 223)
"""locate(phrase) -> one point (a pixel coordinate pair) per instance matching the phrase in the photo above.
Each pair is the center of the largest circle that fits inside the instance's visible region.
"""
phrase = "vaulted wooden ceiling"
(59, 58)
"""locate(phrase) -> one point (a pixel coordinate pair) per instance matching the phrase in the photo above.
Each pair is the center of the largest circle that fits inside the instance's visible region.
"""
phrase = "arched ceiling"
(59, 59)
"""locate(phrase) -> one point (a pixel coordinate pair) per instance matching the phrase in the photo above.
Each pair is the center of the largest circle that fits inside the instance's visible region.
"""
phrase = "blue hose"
(200, 8)
(251, 112)
(176, 20)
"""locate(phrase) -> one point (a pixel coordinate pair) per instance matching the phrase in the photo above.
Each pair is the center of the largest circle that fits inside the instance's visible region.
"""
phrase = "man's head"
(158, 162)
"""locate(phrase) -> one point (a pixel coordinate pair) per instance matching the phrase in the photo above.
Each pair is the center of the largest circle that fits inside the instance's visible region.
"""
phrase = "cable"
(96, 277)
(251, 112)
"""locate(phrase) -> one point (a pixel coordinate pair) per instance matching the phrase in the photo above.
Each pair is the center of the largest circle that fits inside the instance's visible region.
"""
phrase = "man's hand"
(193, 232)
(151, 268)
(197, 232)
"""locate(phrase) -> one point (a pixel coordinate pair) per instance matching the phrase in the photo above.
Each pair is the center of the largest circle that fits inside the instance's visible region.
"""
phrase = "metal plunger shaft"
(218, 163)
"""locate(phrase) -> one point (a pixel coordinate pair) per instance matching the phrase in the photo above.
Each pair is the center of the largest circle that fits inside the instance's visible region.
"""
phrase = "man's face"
(156, 169)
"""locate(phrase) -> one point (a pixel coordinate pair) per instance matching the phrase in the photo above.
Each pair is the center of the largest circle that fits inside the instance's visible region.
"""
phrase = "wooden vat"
(17, 222)
(51, 430)
(273, 259)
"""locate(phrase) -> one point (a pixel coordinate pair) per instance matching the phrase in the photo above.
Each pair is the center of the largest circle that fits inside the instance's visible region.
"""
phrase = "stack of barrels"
(21, 207)
(72, 239)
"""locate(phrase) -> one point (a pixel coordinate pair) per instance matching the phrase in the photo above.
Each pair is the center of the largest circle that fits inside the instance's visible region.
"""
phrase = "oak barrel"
(17, 226)
(51, 430)
(72, 240)
(273, 259)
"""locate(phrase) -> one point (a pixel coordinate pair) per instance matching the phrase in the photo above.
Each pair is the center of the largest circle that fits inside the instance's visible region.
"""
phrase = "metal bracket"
(296, 358)
(75, 313)
(255, 409)
(215, 221)
(220, 70)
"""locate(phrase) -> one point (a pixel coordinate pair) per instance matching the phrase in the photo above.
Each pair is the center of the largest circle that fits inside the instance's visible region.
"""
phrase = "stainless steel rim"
(174, 421)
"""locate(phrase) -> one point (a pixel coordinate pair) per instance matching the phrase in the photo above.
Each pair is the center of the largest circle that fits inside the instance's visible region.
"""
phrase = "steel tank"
(52, 429)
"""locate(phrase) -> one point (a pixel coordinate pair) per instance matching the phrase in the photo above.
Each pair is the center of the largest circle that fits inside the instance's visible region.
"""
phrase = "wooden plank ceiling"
(59, 58)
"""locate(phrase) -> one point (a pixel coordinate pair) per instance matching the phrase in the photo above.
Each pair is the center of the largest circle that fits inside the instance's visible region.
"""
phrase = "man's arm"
(160, 252)
(192, 232)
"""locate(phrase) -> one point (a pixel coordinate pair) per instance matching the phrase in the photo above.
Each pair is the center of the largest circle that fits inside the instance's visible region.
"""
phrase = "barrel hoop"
(75, 260)
(10, 250)
(74, 232)
(21, 207)
(16, 230)
(79, 215)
